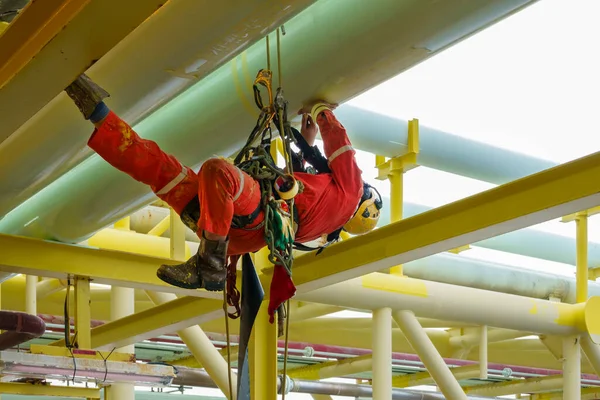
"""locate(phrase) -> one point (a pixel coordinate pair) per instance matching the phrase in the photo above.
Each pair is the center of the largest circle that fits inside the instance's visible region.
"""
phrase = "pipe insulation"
(18, 328)
(169, 52)
(319, 59)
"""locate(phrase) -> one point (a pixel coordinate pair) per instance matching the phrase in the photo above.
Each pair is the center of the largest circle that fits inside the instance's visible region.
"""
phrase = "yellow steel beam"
(48, 390)
(62, 40)
(56, 260)
(153, 322)
(424, 378)
(531, 200)
(83, 319)
(31, 30)
(78, 353)
(192, 362)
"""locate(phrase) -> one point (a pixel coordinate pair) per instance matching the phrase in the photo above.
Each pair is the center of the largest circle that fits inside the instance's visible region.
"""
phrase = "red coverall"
(327, 202)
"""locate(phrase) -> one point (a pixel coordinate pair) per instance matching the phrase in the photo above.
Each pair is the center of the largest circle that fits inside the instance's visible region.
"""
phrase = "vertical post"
(31, 294)
(262, 349)
(431, 358)
(382, 354)
(571, 368)
(483, 353)
(582, 256)
(394, 170)
(396, 178)
(122, 304)
(82, 313)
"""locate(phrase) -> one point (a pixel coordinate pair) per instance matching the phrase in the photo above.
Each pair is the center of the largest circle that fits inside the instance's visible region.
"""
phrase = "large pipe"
(388, 136)
(437, 300)
(316, 60)
(19, 328)
(169, 52)
(486, 275)
(197, 377)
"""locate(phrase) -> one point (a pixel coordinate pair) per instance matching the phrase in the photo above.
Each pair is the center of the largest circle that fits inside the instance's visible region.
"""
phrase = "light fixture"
(13, 364)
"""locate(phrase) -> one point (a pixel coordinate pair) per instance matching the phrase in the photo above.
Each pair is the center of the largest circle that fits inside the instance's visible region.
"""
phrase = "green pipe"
(335, 49)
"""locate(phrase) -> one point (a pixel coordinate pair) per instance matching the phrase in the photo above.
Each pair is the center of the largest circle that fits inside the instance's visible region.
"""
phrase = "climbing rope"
(255, 159)
(229, 377)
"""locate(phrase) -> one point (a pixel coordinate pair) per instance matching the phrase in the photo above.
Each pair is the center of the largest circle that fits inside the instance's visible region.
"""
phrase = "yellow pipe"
(120, 240)
(161, 227)
(49, 286)
(582, 257)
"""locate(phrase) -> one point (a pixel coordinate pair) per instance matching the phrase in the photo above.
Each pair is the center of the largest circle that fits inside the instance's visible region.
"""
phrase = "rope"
(285, 351)
(256, 161)
(233, 294)
(229, 378)
(279, 59)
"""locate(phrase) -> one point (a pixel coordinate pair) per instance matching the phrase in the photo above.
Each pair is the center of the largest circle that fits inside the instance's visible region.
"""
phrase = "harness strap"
(191, 214)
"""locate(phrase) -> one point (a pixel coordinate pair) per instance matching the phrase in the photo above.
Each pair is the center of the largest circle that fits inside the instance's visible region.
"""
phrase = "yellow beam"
(31, 30)
(153, 322)
(424, 378)
(531, 200)
(192, 362)
(48, 390)
(62, 39)
(56, 260)
(83, 319)
(78, 353)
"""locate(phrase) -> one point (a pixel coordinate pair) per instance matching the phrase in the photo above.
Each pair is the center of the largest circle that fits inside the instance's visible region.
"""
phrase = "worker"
(221, 203)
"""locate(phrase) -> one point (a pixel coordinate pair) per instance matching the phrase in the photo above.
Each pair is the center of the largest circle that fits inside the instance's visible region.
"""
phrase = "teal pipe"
(438, 149)
(334, 49)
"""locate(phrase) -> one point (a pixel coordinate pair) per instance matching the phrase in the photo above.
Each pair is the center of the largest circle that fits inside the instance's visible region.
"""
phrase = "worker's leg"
(224, 191)
(115, 141)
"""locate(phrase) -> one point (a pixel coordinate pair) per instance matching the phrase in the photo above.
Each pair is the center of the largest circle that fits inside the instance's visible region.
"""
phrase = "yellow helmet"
(367, 215)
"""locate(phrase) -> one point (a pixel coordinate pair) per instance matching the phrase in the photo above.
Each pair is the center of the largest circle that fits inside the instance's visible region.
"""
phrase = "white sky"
(529, 84)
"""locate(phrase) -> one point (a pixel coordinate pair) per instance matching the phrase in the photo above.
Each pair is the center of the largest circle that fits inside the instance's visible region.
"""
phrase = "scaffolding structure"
(76, 232)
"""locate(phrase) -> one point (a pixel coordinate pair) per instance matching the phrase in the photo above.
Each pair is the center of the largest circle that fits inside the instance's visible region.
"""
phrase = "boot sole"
(174, 282)
(214, 286)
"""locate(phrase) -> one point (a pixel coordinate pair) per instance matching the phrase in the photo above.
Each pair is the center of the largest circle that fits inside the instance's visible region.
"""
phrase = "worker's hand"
(309, 129)
(307, 108)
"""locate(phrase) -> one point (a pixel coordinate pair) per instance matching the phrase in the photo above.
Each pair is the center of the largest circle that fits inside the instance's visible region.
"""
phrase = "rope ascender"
(278, 190)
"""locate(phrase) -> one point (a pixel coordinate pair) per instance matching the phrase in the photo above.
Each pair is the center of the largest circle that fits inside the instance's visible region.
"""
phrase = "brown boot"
(86, 94)
(207, 268)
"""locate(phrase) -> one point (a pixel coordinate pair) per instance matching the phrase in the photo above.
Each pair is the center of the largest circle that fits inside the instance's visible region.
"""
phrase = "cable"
(106, 364)
(229, 378)
(285, 351)
(74, 363)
